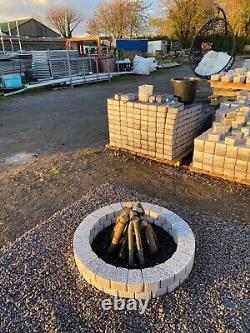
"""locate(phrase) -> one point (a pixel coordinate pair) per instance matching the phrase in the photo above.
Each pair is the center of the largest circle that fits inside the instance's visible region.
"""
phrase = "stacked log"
(131, 225)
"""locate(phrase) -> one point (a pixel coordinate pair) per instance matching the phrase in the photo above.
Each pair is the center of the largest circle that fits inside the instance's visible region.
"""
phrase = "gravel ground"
(41, 290)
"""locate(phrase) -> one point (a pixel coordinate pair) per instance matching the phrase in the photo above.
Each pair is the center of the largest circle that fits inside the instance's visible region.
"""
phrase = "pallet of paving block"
(164, 161)
(217, 99)
(218, 175)
(226, 93)
(230, 85)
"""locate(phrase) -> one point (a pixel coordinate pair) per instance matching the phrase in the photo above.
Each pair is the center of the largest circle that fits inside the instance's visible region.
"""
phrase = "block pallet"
(229, 84)
(156, 131)
(224, 150)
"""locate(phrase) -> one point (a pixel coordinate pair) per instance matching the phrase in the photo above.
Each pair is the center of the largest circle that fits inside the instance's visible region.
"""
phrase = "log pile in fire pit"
(131, 228)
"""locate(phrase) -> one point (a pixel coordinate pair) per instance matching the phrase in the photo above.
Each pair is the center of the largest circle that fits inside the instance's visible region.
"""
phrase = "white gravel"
(41, 290)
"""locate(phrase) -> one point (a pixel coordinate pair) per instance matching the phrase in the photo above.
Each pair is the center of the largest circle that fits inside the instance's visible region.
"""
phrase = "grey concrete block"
(151, 279)
(120, 279)
(135, 281)
(147, 207)
(155, 211)
(165, 273)
(160, 292)
(117, 207)
(104, 275)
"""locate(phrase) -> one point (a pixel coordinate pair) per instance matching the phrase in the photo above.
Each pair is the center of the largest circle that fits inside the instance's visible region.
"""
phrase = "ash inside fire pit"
(165, 242)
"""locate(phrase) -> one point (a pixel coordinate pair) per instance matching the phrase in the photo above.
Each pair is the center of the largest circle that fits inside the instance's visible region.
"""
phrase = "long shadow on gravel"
(41, 290)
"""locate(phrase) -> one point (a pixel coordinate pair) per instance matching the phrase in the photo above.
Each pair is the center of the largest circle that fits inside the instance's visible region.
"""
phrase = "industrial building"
(32, 34)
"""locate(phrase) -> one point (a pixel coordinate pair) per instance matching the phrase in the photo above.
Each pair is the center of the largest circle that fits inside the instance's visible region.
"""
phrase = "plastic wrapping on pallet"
(144, 66)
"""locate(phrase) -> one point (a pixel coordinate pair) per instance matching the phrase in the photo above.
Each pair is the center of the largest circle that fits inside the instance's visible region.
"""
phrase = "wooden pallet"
(217, 175)
(229, 85)
(229, 90)
(175, 163)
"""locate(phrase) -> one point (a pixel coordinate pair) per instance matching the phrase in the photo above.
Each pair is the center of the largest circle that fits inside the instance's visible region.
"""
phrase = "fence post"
(50, 64)
(69, 68)
(1, 34)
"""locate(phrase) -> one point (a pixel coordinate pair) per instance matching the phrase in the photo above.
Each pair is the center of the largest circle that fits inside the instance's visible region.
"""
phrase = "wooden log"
(121, 222)
(124, 243)
(139, 247)
(150, 236)
(131, 244)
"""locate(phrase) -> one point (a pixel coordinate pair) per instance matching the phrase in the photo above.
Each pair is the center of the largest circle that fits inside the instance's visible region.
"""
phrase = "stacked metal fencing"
(56, 64)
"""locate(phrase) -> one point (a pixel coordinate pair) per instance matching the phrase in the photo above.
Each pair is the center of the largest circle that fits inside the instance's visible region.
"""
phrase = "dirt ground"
(58, 125)
(32, 192)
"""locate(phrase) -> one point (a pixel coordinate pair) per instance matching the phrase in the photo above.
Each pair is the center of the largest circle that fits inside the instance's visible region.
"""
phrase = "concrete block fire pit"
(134, 283)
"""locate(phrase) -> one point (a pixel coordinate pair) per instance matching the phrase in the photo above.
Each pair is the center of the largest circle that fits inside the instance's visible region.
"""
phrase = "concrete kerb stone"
(134, 283)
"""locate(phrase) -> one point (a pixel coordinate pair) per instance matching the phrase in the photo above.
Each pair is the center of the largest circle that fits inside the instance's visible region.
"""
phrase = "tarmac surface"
(48, 121)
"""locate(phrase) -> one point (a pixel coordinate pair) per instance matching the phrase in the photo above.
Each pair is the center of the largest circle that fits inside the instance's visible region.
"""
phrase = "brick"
(135, 281)
(232, 152)
(218, 170)
(241, 166)
(230, 140)
(208, 157)
(213, 137)
(117, 207)
(120, 279)
(199, 144)
(166, 274)
(219, 161)
(209, 147)
(245, 131)
(151, 279)
(243, 153)
(229, 173)
(230, 163)
(143, 295)
(206, 166)
(198, 157)
(220, 128)
(197, 165)
(160, 292)
(220, 149)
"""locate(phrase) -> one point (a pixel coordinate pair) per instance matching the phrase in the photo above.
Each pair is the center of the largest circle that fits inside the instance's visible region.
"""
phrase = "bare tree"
(120, 18)
(64, 19)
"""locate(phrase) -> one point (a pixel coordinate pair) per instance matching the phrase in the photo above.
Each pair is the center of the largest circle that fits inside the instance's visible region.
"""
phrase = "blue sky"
(15, 9)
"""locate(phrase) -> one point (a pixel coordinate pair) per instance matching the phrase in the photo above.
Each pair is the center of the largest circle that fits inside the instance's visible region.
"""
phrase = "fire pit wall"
(134, 283)
(154, 130)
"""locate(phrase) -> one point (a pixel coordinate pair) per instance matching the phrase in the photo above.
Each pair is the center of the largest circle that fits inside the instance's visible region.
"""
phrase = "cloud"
(40, 2)
(19, 9)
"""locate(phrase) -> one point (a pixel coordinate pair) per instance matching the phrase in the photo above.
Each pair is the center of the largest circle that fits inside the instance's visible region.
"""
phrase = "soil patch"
(166, 248)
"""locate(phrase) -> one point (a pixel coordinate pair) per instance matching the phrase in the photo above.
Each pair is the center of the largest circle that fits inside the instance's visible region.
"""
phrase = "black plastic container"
(184, 89)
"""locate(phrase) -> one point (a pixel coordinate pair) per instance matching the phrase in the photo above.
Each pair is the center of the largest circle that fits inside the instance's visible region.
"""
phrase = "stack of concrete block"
(157, 130)
(224, 150)
(237, 75)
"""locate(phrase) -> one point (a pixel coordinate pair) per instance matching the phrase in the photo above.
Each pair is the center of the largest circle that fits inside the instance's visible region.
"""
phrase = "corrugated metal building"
(28, 27)
(34, 35)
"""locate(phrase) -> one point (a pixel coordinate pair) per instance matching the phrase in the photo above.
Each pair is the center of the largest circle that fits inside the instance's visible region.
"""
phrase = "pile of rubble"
(224, 150)
(149, 126)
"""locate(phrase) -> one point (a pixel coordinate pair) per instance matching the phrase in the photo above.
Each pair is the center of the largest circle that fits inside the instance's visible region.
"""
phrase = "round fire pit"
(134, 283)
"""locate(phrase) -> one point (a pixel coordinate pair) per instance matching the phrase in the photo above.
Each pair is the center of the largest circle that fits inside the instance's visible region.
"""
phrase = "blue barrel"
(134, 45)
